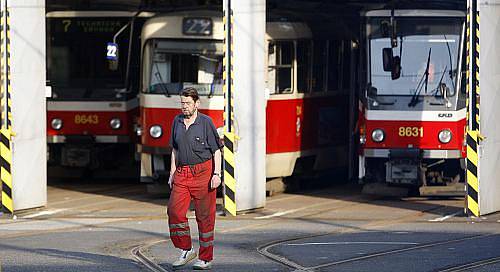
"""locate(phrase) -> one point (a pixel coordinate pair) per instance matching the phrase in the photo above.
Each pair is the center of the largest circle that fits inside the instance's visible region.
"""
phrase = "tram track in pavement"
(472, 265)
(283, 260)
(137, 252)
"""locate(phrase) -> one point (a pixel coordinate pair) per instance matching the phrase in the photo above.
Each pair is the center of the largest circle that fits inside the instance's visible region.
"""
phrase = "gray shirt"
(196, 144)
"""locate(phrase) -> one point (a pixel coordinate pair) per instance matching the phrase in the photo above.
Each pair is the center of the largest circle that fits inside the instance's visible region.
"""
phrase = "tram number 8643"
(86, 119)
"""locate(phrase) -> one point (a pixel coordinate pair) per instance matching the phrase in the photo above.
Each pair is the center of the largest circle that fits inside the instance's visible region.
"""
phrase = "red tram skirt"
(192, 182)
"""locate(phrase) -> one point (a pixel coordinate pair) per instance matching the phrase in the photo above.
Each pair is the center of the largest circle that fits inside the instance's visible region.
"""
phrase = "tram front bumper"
(425, 153)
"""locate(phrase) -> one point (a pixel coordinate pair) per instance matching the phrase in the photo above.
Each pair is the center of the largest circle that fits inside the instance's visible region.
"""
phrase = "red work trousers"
(193, 183)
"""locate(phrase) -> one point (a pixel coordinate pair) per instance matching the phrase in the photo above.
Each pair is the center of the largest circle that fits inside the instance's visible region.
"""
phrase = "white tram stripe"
(107, 106)
(436, 116)
(216, 102)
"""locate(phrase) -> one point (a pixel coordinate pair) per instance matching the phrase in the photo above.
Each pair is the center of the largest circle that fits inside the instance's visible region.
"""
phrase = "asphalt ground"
(96, 227)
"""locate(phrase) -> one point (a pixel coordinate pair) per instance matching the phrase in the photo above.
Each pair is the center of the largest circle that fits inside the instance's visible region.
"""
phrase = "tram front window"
(77, 67)
(417, 39)
(174, 67)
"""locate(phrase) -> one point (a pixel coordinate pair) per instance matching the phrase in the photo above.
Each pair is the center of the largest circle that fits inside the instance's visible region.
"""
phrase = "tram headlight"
(56, 123)
(138, 130)
(378, 135)
(362, 139)
(155, 131)
(445, 136)
(115, 123)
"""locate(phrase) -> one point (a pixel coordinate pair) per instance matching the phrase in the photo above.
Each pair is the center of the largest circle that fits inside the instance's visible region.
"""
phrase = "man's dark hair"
(190, 92)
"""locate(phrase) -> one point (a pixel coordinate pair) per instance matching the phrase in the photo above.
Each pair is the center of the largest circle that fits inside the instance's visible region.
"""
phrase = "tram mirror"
(396, 68)
(372, 91)
(446, 91)
(385, 29)
(388, 59)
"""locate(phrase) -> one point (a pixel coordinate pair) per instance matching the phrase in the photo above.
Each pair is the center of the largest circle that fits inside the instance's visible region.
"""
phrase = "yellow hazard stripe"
(472, 206)
(472, 164)
(473, 113)
(6, 130)
(229, 174)
(230, 205)
(472, 181)
(229, 181)
(229, 137)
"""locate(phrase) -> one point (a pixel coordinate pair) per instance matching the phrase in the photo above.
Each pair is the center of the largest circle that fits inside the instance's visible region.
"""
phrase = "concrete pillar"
(489, 82)
(249, 23)
(27, 73)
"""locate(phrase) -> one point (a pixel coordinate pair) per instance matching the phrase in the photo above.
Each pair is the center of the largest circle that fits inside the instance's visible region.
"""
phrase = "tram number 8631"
(411, 131)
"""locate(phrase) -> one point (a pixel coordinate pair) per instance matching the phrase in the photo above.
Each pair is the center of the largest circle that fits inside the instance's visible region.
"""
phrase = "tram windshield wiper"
(438, 87)
(160, 79)
(414, 99)
(451, 61)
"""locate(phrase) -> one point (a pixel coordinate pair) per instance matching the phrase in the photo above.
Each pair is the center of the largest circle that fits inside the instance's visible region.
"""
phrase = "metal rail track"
(143, 259)
(264, 250)
(472, 265)
(136, 252)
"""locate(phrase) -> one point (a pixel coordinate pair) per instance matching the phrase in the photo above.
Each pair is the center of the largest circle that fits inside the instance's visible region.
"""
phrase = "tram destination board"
(197, 26)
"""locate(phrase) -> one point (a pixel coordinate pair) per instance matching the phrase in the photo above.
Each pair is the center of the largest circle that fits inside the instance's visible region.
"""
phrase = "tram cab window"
(174, 69)
(304, 66)
(76, 62)
(334, 65)
(346, 66)
(319, 66)
(280, 67)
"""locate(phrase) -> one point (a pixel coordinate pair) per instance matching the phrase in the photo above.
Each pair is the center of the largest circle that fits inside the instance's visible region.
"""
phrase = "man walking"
(194, 174)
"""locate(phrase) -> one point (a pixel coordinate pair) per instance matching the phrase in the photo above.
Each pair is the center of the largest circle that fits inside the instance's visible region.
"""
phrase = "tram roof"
(95, 13)
(415, 13)
(160, 27)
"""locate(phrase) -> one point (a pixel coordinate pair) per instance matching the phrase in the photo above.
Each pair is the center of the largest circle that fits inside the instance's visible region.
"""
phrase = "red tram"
(93, 100)
(413, 109)
(186, 50)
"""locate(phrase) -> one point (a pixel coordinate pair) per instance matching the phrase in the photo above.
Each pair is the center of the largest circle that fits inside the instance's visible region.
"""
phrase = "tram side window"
(304, 66)
(319, 66)
(280, 56)
(334, 65)
(346, 66)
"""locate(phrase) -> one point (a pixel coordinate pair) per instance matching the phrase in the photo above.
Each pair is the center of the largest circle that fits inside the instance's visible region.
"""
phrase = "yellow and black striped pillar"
(473, 135)
(6, 126)
(229, 135)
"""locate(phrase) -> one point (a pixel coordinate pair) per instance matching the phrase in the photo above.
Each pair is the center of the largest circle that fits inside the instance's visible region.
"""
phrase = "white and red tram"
(412, 111)
(93, 101)
(186, 49)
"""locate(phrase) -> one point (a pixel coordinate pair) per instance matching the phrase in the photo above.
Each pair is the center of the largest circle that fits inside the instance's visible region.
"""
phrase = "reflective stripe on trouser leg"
(178, 206)
(192, 183)
(204, 200)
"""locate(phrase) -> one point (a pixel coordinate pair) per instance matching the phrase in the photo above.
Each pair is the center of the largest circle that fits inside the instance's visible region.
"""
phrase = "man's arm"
(216, 181)
(172, 167)
(217, 159)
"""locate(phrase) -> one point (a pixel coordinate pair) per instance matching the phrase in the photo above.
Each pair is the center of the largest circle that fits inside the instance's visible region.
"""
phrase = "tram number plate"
(197, 26)
(82, 119)
(411, 131)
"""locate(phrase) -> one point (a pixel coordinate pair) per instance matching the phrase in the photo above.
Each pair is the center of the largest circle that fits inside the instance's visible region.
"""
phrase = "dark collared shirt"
(196, 144)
